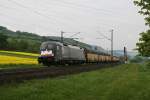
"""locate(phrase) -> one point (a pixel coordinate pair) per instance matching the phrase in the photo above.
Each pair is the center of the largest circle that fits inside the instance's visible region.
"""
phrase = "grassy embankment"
(125, 82)
(10, 59)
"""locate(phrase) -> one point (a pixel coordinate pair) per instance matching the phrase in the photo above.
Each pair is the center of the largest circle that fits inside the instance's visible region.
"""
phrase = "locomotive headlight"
(42, 53)
(47, 53)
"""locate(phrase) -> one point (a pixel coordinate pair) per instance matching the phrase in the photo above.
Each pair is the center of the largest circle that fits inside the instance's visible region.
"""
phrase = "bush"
(137, 59)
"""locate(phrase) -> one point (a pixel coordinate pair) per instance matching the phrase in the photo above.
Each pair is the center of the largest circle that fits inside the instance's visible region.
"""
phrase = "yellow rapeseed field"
(19, 53)
(4, 59)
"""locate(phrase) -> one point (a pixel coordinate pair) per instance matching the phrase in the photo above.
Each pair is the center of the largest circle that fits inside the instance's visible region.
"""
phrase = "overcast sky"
(90, 17)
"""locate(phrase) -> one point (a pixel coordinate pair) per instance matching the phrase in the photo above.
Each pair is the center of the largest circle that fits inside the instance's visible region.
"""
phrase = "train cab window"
(47, 46)
(50, 46)
(43, 47)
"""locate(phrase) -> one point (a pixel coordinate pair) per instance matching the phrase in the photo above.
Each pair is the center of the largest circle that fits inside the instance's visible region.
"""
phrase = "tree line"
(143, 46)
(10, 41)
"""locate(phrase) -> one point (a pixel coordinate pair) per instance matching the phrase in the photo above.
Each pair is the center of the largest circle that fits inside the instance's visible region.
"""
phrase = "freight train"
(58, 53)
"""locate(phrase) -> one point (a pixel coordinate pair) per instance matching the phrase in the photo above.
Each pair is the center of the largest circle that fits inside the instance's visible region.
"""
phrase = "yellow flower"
(16, 60)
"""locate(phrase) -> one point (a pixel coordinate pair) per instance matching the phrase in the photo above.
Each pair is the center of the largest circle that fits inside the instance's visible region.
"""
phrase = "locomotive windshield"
(47, 49)
(46, 46)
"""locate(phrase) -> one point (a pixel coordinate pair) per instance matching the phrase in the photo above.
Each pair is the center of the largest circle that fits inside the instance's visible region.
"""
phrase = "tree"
(137, 59)
(3, 41)
(23, 45)
(145, 9)
(3, 28)
(144, 44)
(13, 44)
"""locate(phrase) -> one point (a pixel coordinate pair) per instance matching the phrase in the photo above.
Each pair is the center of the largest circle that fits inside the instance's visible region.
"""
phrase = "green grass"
(125, 82)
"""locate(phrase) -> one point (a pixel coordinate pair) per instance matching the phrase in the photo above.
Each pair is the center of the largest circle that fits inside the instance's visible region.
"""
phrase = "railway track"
(18, 75)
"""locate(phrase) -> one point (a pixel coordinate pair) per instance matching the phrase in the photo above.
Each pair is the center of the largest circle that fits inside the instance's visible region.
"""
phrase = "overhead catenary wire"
(101, 11)
(36, 12)
(11, 8)
(25, 8)
(72, 16)
(48, 17)
(15, 19)
(39, 13)
(104, 37)
(105, 11)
